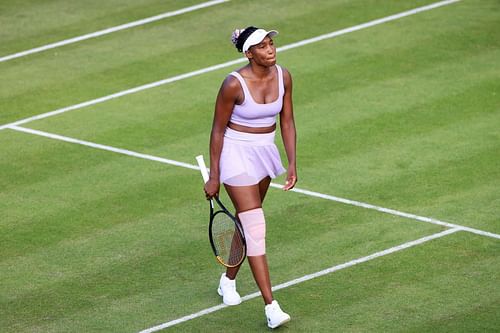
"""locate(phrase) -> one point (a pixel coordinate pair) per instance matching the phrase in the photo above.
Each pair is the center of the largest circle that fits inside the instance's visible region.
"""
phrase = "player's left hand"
(291, 179)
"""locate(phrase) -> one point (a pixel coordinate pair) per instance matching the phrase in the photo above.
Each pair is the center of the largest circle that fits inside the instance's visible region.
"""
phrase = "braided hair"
(239, 37)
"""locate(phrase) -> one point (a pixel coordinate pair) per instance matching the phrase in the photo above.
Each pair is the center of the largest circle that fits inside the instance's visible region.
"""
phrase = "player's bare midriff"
(246, 129)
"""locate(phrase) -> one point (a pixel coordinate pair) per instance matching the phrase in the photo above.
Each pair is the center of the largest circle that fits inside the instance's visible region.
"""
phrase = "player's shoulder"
(230, 83)
(231, 80)
(231, 87)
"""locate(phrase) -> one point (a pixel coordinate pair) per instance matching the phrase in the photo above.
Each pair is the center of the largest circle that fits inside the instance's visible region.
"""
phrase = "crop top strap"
(246, 92)
(281, 83)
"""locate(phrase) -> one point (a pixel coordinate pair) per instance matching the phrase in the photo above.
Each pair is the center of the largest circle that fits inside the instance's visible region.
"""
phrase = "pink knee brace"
(254, 227)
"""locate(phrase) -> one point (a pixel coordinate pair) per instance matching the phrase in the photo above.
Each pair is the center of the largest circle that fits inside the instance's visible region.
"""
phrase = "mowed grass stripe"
(101, 243)
(279, 186)
(111, 30)
(303, 279)
(210, 50)
(447, 285)
(31, 23)
(319, 84)
(408, 124)
(416, 159)
(359, 114)
(89, 248)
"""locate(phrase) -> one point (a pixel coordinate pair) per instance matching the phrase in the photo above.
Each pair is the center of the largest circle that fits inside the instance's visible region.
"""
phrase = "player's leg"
(275, 316)
(263, 187)
(258, 264)
(243, 198)
(248, 203)
(242, 201)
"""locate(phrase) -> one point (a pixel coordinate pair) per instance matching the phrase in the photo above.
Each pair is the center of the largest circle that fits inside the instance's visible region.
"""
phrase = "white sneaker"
(275, 316)
(227, 289)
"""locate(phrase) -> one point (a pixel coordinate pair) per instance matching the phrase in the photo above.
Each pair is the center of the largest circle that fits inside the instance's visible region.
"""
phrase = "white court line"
(305, 278)
(111, 30)
(229, 63)
(122, 93)
(305, 192)
(369, 24)
(392, 212)
(104, 147)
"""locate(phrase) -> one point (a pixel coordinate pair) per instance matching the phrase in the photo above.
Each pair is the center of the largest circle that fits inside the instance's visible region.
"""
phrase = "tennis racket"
(224, 231)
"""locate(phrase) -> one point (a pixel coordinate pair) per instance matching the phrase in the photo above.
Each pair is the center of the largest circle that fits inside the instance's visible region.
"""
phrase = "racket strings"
(227, 240)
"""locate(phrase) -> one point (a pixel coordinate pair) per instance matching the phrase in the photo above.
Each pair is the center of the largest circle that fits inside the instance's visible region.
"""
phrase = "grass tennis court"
(403, 115)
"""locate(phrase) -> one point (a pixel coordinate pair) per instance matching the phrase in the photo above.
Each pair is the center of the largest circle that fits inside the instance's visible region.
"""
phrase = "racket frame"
(223, 210)
(239, 229)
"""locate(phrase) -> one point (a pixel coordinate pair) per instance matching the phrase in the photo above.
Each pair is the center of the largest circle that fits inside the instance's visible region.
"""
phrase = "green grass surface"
(403, 115)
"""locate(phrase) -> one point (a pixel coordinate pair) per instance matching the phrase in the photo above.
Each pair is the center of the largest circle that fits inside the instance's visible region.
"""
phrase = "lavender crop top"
(252, 114)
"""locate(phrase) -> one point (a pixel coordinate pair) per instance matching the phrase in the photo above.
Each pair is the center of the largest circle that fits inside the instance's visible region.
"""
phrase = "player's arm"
(288, 133)
(226, 98)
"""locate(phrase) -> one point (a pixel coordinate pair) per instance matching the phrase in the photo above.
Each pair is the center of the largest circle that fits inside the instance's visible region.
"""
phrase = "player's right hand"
(211, 188)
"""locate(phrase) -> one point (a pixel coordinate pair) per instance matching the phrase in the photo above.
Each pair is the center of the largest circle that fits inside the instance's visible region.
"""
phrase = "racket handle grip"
(203, 167)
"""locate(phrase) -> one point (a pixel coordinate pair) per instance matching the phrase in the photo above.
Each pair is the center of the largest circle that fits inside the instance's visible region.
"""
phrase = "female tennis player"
(244, 157)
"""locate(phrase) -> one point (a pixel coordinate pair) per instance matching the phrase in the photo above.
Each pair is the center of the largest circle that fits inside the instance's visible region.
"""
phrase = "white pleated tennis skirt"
(247, 158)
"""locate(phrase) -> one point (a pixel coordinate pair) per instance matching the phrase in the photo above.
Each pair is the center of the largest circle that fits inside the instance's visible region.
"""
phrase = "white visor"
(256, 37)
